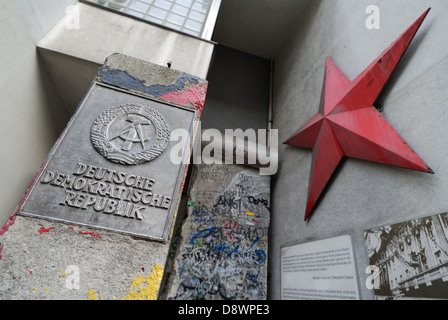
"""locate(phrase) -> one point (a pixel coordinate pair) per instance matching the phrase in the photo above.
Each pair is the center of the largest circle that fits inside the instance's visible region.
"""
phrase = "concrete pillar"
(97, 220)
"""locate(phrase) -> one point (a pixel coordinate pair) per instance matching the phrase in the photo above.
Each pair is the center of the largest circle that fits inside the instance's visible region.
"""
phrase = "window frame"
(205, 33)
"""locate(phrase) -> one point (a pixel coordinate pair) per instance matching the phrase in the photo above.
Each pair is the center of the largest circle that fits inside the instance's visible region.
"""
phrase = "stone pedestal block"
(97, 220)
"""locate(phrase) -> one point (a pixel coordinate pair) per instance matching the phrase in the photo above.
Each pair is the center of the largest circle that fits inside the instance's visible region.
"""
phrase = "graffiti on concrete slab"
(224, 249)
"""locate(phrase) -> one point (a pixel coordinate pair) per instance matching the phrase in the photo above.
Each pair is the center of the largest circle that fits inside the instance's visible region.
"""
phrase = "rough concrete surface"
(42, 260)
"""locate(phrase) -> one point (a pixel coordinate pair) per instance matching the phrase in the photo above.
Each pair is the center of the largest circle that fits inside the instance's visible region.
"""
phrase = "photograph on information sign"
(409, 260)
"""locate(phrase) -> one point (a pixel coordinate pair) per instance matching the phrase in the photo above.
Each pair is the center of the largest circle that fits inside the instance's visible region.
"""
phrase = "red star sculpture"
(347, 124)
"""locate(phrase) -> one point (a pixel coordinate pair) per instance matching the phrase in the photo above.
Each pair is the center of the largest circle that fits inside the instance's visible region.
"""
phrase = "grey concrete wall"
(73, 53)
(258, 27)
(362, 195)
(31, 118)
(101, 33)
(40, 16)
(238, 95)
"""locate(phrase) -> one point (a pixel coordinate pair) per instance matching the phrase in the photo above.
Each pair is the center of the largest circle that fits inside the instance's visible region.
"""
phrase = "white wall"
(40, 16)
(30, 119)
(101, 33)
(363, 195)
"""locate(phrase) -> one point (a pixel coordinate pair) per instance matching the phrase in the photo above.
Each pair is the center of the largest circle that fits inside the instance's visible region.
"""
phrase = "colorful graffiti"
(223, 254)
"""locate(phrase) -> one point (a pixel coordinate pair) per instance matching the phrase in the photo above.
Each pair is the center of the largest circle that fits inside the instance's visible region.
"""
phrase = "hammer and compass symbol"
(133, 133)
(119, 132)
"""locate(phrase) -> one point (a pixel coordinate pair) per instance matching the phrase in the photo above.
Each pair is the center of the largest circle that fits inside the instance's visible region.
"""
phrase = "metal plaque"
(111, 169)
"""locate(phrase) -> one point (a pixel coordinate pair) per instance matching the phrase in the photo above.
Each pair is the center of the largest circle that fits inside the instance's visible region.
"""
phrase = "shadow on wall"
(238, 95)
(53, 103)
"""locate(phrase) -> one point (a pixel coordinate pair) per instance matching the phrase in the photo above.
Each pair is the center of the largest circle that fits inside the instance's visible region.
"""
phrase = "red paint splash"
(8, 224)
(70, 228)
(195, 95)
(31, 272)
(43, 230)
(91, 234)
(12, 218)
(231, 230)
(28, 190)
(5, 228)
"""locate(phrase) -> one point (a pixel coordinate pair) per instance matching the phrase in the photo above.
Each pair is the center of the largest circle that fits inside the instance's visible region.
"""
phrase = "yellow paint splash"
(93, 295)
(146, 288)
(46, 289)
(251, 214)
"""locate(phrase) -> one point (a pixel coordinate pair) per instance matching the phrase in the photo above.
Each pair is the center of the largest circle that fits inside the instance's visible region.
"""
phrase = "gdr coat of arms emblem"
(130, 134)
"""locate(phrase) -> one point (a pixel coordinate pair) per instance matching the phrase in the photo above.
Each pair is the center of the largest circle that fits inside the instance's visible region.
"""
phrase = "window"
(193, 17)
